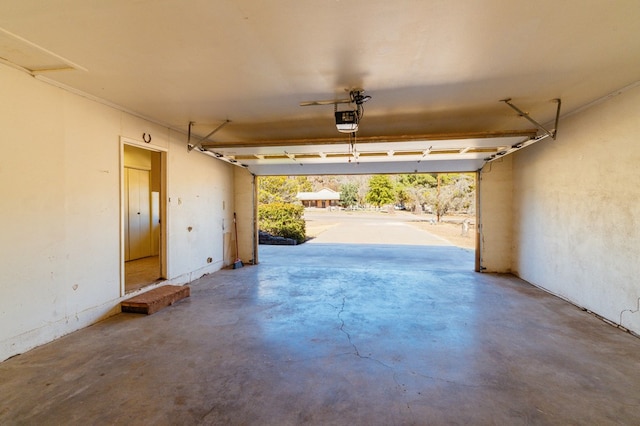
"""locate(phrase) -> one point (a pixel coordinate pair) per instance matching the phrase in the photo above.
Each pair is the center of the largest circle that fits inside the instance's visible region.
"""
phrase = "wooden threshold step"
(156, 299)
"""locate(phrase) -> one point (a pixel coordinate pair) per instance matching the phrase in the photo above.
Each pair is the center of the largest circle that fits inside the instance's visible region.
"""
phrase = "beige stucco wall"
(246, 209)
(577, 210)
(60, 215)
(200, 191)
(495, 214)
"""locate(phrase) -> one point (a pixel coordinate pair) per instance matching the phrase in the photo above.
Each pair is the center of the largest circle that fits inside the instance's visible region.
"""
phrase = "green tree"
(411, 189)
(281, 189)
(319, 182)
(418, 180)
(403, 197)
(303, 184)
(348, 194)
(279, 211)
(454, 192)
(282, 219)
(380, 191)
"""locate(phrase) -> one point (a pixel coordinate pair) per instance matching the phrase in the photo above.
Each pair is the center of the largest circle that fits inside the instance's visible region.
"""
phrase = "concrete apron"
(338, 334)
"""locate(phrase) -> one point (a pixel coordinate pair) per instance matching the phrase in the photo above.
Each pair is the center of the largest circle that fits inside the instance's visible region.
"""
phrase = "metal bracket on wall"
(547, 133)
(219, 156)
(198, 145)
(551, 133)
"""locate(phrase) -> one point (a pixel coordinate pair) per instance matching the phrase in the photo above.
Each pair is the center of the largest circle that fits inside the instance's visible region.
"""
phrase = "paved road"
(370, 228)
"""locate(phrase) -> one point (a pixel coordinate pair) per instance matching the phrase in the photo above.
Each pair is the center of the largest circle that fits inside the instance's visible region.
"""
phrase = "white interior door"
(138, 232)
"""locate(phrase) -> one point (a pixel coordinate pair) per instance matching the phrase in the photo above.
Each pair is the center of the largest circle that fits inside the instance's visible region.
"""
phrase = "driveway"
(369, 240)
(369, 228)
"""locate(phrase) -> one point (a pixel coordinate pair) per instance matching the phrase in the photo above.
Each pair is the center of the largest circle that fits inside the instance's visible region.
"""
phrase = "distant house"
(321, 199)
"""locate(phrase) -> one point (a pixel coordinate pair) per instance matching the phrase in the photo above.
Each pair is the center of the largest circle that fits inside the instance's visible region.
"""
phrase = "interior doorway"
(142, 195)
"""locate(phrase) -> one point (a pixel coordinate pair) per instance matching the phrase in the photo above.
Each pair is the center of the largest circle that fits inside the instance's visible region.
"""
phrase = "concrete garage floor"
(338, 334)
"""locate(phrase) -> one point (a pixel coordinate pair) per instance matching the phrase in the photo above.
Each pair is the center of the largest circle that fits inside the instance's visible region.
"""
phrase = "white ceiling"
(432, 67)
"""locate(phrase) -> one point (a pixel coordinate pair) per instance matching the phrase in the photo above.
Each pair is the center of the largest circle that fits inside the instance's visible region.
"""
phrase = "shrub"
(283, 220)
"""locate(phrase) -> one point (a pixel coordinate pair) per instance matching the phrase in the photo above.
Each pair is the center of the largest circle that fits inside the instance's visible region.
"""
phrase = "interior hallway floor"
(141, 272)
(337, 334)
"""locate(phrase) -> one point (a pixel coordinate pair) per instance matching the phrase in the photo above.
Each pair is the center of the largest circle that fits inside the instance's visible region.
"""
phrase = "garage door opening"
(436, 210)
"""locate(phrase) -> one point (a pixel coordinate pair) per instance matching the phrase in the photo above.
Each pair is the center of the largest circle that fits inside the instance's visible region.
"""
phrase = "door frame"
(163, 206)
